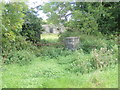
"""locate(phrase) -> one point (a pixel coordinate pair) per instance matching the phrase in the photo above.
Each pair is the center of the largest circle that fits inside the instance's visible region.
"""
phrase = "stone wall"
(53, 29)
(72, 43)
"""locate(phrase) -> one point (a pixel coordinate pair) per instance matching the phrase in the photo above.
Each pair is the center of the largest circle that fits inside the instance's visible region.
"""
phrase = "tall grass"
(50, 37)
(49, 74)
(53, 67)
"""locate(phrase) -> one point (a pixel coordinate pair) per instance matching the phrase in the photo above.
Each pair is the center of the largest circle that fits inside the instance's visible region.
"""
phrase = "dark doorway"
(51, 30)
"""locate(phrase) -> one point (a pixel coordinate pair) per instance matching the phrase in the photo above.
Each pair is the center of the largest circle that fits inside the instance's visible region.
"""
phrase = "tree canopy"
(87, 17)
(32, 26)
(12, 19)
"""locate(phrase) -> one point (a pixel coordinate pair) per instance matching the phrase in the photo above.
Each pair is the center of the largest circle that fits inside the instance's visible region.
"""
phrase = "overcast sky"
(34, 3)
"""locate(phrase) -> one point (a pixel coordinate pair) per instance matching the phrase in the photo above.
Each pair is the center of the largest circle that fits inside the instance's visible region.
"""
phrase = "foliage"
(82, 22)
(115, 50)
(12, 19)
(91, 17)
(79, 62)
(32, 28)
(31, 76)
(89, 42)
(22, 57)
(13, 44)
(84, 60)
(103, 58)
(52, 52)
(56, 11)
(19, 44)
(108, 21)
(58, 67)
(20, 51)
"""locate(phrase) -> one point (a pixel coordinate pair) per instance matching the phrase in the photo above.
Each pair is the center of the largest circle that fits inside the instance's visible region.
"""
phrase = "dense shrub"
(1, 60)
(15, 50)
(115, 49)
(80, 62)
(89, 42)
(103, 58)
(53, 52)
(31, 27)
(21, 57)
(19, 44)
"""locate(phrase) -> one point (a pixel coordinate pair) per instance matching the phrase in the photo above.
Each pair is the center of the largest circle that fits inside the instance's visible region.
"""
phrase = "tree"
(32, 26)
(91, 17)
(12, 19)
(71, 15)
(108, 21)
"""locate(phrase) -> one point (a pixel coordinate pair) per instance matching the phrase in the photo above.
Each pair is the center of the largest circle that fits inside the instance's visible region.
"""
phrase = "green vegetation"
(49, 74)
(85, 17)
(60, 68)
(32, 26)
(26, 64)
(50, 37)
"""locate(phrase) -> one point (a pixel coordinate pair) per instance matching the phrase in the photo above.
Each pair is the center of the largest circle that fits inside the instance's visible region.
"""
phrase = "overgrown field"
(56, 67)
(27, 62)
(48, 73)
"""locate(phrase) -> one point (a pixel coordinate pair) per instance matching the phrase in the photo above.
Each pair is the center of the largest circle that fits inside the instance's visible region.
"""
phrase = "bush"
(53, 52)
(115, 51)
(1, 58)
(22, 44)
(89, 42)
(18, 51)
(103, 58)
(19, 44)
(21, 57)
(80, 62)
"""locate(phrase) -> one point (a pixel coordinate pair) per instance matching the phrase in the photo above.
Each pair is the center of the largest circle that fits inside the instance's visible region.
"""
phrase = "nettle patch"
(21, 57)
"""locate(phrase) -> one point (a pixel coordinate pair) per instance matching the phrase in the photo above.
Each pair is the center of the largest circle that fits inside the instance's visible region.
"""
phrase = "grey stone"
(72, 43)
(50, 28)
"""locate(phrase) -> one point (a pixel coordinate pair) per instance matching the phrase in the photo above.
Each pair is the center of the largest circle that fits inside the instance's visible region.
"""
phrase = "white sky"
(34, 3)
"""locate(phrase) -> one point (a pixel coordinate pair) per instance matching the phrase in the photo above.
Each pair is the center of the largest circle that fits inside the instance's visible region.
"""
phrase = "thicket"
(96, 23)
(31, 27)
(19, 49)
(55, 64)
(80, 62)
(89, 42)
(85, 17)
(91, 22)
(15, 47)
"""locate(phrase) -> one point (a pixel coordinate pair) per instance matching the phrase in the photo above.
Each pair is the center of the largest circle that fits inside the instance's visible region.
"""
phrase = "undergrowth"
(53, 67)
